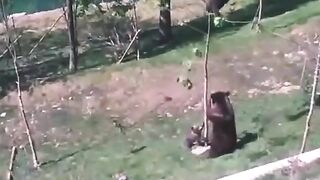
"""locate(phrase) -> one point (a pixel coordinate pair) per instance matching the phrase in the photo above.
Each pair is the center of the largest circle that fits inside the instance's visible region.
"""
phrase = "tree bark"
(73, 59)
(5, 21)
(165, 21)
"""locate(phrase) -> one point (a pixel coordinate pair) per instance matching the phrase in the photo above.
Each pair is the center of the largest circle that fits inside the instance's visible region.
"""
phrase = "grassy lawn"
(267, 133)
(270, 127)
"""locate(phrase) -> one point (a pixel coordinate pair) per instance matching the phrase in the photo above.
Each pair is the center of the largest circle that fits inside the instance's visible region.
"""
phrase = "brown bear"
(214, 6)
(194, 137)
(221, 123)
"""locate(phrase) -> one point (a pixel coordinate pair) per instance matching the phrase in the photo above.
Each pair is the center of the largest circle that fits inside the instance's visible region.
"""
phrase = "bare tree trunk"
(73, 60)
(5, 21)
(165, 21)
(21, 105)
(205, 86)
(136, 29)
(15, 32)
(14, 152)
(75, 22)
(312, 102)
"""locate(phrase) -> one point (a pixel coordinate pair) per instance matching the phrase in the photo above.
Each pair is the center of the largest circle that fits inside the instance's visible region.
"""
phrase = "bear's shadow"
(246, 138)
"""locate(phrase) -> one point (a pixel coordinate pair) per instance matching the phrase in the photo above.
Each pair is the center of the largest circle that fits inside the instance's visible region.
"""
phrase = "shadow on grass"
(297, 115)
(49, 71)
(271, 8)
(62, 158)
(246, 139)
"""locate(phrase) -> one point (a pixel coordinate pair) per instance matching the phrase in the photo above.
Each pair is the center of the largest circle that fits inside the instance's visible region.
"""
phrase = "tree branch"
(45, 34)
(22, 111)
(257, 17)
(130, 44)
(14, 152)
(313, 94)
(5, 51)
(136, 29)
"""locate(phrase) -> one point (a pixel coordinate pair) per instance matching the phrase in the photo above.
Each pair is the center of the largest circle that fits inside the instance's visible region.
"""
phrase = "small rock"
(4, 114)
(174, 136)
(265, 68)
(288, 55)
(286, 83)
(275, 52)
(200, 150)
(168, 114)
(120, 176)
(301, 52)
(168, 98)
(55, 106)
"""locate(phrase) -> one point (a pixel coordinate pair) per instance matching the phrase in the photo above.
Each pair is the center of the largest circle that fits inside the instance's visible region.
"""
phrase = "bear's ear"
(212, 97)
(227, 93)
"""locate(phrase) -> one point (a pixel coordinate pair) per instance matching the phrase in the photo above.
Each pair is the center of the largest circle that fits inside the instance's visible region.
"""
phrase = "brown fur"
(214, 6)
(194, 137)
(222, 129)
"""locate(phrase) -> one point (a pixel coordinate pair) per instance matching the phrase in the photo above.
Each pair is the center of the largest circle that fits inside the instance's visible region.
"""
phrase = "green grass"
(165, 156)
(224, 37)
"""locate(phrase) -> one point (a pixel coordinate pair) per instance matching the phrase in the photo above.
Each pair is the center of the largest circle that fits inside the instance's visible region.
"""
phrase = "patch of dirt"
(39, 21)
(272, 66)
(135, 92)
